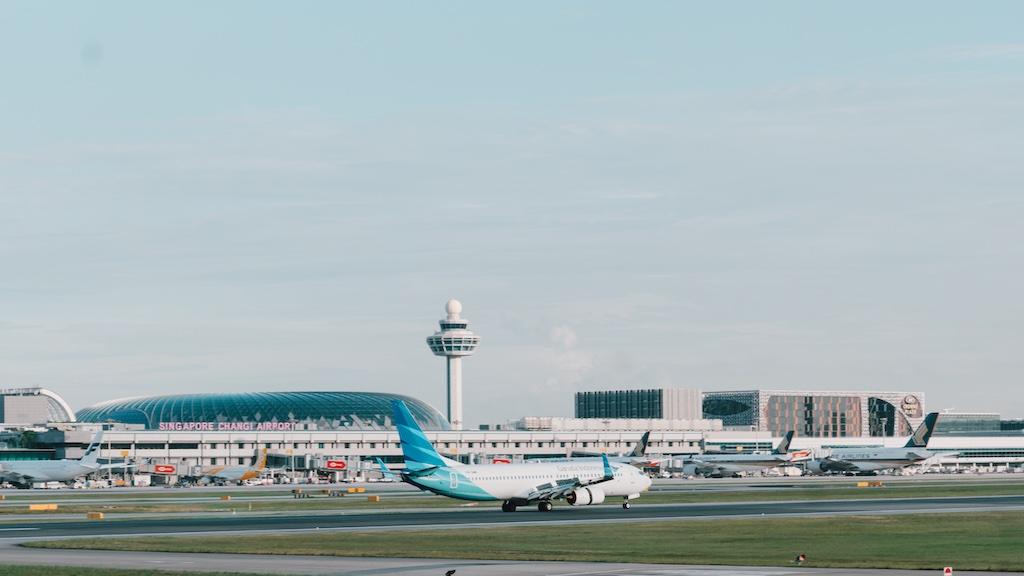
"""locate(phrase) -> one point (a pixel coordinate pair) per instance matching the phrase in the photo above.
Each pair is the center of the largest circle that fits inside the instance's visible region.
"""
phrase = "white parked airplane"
(872, 460)
(637, 457)
(23, 473)
(580, 483)
(725, 464)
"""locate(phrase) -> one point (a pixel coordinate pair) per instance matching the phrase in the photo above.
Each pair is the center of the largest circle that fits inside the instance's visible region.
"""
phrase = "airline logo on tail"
(923, 432)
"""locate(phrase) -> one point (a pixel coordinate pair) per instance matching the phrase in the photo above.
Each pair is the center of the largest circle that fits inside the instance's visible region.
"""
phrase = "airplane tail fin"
(388, 474)
(261, 460)
(783, 446)
(641, 448)
(92, 453)
(923, 433)
(416, 448)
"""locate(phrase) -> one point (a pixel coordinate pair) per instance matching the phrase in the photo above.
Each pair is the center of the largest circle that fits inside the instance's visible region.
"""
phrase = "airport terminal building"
(302, 431)
(813, 413)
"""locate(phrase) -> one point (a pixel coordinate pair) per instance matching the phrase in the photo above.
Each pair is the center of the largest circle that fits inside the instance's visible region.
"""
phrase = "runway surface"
(317, 565)
(412, 519)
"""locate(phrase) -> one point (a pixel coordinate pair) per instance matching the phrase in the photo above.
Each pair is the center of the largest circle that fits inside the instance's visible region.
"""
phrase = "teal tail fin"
(416, 448)
(385, 470)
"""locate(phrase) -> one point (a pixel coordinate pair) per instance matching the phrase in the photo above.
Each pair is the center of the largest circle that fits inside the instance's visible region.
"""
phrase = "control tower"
(453, 341)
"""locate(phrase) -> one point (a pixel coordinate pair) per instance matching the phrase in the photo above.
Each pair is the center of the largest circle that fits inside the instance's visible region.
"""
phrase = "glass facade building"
(967, 423)
(817, 414)
(660, 403)
(318, 410)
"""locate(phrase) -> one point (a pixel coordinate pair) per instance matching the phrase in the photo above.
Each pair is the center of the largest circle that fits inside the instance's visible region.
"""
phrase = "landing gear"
(625, 503)
(544, 506)
(507, 506)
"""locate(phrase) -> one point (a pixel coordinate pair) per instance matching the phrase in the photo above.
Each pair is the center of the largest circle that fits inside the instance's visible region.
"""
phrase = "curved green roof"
(263, 411)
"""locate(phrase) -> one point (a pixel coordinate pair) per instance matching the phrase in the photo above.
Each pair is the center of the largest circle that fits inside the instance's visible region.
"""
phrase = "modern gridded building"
(816, 413)
(262, 411)
(659, 403)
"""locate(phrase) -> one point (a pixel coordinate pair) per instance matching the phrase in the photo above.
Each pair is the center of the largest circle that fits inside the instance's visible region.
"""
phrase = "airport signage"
(336, 465)
(227, 426)
(164, 469)
(947, 571)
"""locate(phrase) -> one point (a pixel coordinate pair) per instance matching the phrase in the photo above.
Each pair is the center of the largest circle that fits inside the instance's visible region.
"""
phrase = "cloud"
(563, 336)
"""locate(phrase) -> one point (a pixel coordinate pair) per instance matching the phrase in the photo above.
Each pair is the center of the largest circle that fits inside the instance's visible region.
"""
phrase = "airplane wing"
(115, 466)
(14, 477)
(562, 488)
(703, 466)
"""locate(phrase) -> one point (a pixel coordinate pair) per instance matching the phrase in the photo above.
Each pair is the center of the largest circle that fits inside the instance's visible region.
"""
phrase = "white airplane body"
(870, 460)
(580, 483)
(732, 464)
(27, 472)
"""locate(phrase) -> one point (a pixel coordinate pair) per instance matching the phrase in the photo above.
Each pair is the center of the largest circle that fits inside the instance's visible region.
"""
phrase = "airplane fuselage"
(487, 482)
(868, 460)
(28, 471)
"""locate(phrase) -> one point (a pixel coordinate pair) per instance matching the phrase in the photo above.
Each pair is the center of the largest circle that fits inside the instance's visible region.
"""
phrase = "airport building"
(302, 431)
(659, 403)
(814, 413)
(29, 406)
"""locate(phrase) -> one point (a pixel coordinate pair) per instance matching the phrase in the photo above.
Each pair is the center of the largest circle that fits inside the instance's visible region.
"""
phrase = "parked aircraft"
(872, 460)
(580, 483)
(730, 464)
(637, 457)
(23, 473)
(234, 474)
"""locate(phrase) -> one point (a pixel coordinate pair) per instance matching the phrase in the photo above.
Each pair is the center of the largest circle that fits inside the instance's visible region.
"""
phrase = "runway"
(323, 566)
(424, 518)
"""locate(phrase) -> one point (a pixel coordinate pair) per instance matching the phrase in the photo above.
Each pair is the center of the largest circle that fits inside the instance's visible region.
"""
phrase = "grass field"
(212, 503)
(967, 541)
(74, 571)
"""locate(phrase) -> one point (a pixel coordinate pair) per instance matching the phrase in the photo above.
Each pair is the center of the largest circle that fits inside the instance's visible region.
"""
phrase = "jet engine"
(585, 496)
(692, 470)
(818, 466)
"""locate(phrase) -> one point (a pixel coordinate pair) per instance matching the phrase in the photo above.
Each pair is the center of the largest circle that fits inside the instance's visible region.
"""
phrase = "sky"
(232, 196)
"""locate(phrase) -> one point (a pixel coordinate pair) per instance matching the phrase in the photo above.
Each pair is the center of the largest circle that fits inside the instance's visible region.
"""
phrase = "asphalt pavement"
(413, 519)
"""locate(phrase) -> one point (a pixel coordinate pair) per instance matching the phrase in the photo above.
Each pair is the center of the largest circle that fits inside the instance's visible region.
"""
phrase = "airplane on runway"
(23, 473)
(732, 464)
(872, 460)
(580, 483)
(234, 474)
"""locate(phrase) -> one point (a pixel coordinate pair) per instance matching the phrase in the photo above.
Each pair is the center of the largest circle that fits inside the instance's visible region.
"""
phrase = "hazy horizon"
(224, 197)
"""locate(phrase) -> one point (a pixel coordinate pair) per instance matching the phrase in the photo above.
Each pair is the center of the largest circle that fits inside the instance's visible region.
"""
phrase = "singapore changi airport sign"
(227, 426)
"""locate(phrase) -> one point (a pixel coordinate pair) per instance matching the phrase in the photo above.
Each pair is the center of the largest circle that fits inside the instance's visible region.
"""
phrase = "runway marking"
(16, 529)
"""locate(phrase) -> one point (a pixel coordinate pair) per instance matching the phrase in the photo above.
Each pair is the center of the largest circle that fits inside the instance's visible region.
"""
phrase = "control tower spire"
(453, 341)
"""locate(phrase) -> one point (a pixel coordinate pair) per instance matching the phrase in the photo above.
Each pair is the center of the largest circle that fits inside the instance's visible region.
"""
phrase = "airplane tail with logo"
(92, 453)
(923, 433)
(783, 446)
(641, 448)
(417, 450)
